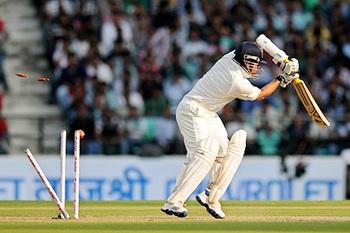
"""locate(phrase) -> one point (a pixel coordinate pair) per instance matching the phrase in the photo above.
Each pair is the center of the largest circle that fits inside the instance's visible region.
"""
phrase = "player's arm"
(268, 89)
(282, 80)
(244, 90)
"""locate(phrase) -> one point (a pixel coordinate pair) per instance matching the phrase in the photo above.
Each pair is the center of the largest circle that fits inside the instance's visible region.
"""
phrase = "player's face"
(253, 67)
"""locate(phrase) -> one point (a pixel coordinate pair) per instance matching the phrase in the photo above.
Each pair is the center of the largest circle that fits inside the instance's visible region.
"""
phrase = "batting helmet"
(249, 55)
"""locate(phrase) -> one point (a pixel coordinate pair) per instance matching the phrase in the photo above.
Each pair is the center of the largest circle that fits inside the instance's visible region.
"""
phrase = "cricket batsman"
(206, 140)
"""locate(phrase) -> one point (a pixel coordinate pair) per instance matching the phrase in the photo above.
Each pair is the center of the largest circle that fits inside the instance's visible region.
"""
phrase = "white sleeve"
(244, 90)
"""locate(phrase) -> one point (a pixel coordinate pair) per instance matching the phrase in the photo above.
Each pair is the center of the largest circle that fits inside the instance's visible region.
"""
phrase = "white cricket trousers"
(205, 137)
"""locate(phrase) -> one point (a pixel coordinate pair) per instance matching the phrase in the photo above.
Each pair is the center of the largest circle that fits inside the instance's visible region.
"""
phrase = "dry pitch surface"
(145, 216)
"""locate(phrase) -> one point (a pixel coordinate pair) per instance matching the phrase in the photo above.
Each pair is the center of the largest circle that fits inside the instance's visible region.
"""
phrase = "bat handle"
(297, 79)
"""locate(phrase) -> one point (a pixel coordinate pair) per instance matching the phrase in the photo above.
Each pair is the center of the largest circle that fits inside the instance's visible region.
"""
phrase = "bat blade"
(309, 103)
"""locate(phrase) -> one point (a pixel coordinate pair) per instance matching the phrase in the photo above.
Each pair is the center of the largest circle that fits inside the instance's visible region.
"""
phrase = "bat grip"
(297, 79)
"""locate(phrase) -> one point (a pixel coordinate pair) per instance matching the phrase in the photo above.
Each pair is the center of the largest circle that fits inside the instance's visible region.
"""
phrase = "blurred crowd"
(4, 87)
(121, 67)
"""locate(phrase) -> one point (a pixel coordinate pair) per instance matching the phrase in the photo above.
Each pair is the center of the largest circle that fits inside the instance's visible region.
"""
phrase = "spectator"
(3, 39)
(195, 44)
(103, 71)
(119, 28)
(166, 131)
(268, 140)
(134, 130)
(84, 120)
(61, 88)
(121, 101)
(175, 88)
(294, 138)
(111, 133)
(287, 105)
(4, 136)
(124, 70)
(266, 113)
(156, 104)
(141, 56)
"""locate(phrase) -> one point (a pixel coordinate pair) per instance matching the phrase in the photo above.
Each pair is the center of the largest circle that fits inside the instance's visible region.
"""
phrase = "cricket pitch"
(145, 216)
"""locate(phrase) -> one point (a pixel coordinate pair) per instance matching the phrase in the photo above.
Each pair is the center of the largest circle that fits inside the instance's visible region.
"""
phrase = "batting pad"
(194, 170)
(224, 170)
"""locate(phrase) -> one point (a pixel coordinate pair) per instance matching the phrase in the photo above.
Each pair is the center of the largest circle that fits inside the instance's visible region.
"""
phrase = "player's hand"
(287, 79)
(290, 67)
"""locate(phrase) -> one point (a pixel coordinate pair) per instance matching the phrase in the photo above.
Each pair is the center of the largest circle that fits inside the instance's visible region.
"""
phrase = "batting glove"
(286, 79)
(290, 67)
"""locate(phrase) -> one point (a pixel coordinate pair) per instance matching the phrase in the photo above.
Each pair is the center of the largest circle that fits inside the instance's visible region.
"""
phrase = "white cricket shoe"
(174, 209)
(214, 209)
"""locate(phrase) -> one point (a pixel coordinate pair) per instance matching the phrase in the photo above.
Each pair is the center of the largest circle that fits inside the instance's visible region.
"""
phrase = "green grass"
(145, 216)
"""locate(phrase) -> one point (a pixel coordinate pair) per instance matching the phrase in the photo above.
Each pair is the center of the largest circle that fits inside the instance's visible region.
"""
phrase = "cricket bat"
(299, 85)
(309, 103)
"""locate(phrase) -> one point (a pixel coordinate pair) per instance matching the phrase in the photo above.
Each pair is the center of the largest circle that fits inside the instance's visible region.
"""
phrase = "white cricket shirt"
(224, 82)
